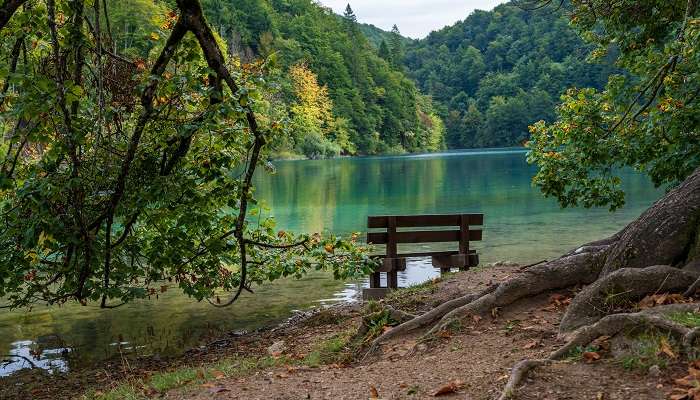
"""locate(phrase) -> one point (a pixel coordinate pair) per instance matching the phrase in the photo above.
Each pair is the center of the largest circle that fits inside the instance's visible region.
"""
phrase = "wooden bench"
(391, 236)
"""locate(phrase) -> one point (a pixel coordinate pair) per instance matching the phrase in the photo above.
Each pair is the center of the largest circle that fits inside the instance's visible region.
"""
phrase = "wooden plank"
(391, 237)
(464, 235)
(461, 261)
(423, 254)
(375, 280)
(421, 237)
(413, 221)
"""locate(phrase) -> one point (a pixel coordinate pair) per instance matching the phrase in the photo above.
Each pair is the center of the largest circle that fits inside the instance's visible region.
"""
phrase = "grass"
(647, 351)
(338, 349)
(510, 325)
(182, 377)
(689, 319)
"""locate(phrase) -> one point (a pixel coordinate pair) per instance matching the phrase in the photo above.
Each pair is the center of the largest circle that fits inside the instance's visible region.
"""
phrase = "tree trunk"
(665, 234)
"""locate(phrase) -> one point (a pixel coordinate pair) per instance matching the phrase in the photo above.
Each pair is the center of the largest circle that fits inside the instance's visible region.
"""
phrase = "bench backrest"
(464, 234)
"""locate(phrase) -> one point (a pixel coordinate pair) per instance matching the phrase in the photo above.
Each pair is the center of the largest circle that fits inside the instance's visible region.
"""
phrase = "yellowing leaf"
(665, 347)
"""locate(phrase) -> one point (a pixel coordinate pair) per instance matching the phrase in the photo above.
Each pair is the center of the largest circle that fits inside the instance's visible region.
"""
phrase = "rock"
(654, 370)
(277, 348)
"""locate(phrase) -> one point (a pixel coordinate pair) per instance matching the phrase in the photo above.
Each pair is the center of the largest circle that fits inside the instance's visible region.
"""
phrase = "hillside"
(373, 107)
(478, 83)
(496, 72)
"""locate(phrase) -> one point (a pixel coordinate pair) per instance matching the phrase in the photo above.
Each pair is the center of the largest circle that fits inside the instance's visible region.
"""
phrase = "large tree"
(125, 176)
(647, 118)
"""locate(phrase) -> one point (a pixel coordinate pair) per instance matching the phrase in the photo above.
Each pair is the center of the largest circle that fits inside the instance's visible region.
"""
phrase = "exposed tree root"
(568, 271)
(693, 288)
(519, 373)
(398, 315)
(619, 289)
(689, 340)
(615, 323)
(609, 326)
(428, 318)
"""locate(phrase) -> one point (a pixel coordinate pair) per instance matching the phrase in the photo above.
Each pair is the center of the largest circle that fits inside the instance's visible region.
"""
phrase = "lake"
(336, 196)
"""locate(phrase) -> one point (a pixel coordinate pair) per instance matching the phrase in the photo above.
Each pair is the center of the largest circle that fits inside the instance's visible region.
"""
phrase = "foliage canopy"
(129, 171)
(647, 118)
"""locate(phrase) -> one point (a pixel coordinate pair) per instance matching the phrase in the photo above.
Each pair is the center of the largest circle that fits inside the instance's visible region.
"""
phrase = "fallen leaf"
(665, 348)
(532, 345)
(450, 388)
(373, 393)
(591, 356)
(601, 343)
(444, 334)
(495, 312)
(200, 374)
(387, 328)
(689, 385)
(476, 318)
(218, 374)
(661, 299)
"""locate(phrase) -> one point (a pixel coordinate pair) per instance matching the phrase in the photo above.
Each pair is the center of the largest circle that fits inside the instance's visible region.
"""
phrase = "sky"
(415, 18)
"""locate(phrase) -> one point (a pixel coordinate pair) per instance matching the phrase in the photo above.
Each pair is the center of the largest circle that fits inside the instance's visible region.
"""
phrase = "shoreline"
(320, 354)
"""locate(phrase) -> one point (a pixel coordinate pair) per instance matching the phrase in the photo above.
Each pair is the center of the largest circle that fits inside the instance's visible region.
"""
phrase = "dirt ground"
(473, 363)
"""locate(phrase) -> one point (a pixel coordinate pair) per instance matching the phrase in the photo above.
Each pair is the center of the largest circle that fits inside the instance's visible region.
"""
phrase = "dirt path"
(475, 361)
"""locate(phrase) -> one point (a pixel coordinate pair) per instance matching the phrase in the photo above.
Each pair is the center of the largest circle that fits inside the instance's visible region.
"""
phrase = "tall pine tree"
(349, 15)
(396, 47)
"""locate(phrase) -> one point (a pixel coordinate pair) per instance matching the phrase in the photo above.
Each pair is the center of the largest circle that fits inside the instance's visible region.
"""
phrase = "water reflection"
(28, 354)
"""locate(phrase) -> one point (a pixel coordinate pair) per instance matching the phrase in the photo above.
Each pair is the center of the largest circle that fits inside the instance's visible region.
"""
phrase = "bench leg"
(375, 280)
(392, 280)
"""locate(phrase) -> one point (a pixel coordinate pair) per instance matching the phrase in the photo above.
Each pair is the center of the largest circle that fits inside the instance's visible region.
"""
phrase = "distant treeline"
(497, 72)
(350, 88)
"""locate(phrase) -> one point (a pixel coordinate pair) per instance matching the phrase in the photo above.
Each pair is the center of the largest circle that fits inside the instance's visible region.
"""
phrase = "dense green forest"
(352, 88)
(497, 72)
(363, 104)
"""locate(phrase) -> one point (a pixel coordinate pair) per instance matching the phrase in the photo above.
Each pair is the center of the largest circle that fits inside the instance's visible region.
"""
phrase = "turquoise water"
(520, 225)
(331, 195)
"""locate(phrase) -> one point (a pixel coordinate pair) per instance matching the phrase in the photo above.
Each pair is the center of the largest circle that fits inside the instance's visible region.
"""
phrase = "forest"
(496, 72)
(349, 88)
